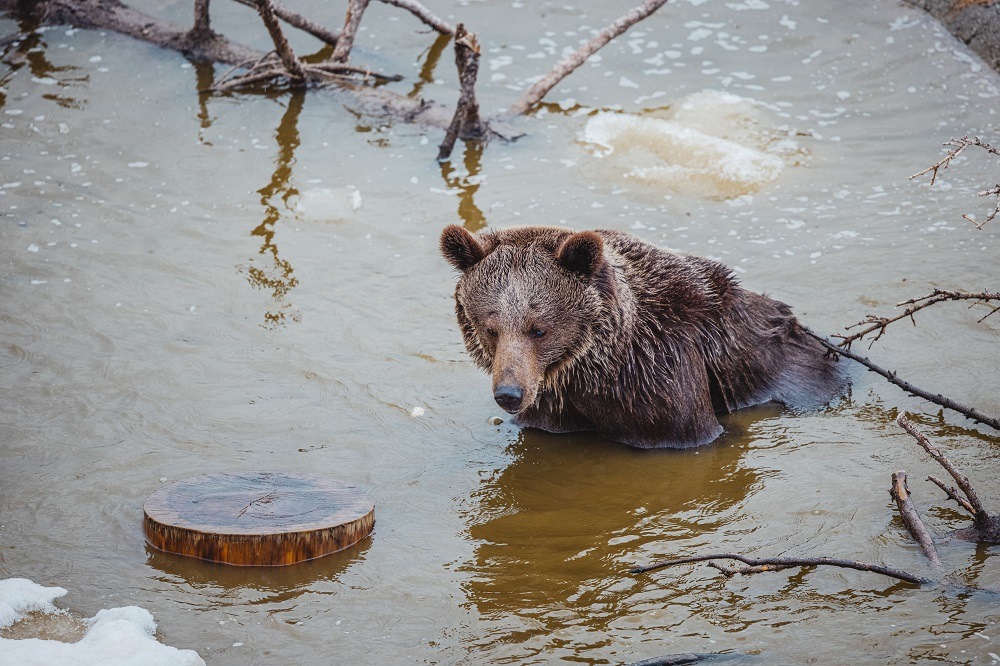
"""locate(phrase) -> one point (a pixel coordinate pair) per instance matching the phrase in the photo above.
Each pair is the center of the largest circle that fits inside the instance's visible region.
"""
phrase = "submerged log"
(257, 518)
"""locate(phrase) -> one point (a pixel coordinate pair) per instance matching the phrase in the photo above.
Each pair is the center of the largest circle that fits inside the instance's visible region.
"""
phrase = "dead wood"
(424, 15)
(877, 323)
(756, 565)
(291, 63)
(936, 398)
(466, 123)
(296, 20)
(911, 519)
(355, 10)
(958, 146)
(952, 492)
(567, 65)
(986, 525)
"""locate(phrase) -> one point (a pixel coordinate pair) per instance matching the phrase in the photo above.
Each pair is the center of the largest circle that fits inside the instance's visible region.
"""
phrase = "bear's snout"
(509, 397)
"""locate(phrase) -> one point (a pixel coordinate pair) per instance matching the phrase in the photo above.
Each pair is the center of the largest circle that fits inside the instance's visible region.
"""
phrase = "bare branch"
(466, 123)
(297, 20)
(568, 64)
(355, 10)
(770, 564)
(952, 493)
(938, 399)
(996, 209)
(987, 525)
(424, 15)
(877, 323)
(911, 519)
(281, 46)
(958, 146)
(960, 479)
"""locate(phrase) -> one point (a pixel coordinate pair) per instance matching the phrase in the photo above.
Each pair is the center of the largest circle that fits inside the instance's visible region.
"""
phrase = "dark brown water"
(194, 284)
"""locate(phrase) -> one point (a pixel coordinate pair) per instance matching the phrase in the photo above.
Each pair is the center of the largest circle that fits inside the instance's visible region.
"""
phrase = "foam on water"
(714, 143)
(115, 636)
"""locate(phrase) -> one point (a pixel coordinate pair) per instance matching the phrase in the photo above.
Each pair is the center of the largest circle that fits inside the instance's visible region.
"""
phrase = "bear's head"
(526, 301)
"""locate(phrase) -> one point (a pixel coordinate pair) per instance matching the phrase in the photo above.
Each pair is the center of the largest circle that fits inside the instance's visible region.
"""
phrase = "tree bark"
(911, 518)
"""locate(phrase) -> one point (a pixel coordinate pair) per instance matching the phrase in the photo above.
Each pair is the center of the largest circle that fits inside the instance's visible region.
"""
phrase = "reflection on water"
(255, 585)
(467, 183)
(277, 275)
(31, 51)
(430, 57)
(571, 509)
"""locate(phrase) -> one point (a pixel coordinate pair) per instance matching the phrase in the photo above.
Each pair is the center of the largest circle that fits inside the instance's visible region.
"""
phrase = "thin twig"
(424, 15)
(768, 564)
(938, 399)
(568, 64)
(911, 519)
(952, 492)
(466, 123)
(958, 146)
(877, 323)
(996, 209)
(299, 21)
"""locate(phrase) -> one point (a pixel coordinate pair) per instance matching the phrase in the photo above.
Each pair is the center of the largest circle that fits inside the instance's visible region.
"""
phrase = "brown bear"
(598, 330)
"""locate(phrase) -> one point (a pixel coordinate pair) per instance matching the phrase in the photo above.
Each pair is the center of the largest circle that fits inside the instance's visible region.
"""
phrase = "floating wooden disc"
(257, 518)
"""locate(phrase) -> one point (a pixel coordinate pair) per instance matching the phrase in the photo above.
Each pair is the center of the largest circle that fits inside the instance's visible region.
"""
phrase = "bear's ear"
(461, 248)
(582, 253)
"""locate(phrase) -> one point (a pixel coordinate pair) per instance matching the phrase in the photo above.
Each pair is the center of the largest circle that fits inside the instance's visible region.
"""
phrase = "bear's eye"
(537, 333)
(492, 332)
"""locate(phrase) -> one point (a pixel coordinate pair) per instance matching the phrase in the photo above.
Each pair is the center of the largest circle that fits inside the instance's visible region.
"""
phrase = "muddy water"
(197, 283)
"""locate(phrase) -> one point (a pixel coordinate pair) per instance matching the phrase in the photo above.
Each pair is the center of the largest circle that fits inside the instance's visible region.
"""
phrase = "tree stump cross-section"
(257, 518)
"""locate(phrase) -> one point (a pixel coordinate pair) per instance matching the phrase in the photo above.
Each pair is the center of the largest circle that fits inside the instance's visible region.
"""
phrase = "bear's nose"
(509, 397)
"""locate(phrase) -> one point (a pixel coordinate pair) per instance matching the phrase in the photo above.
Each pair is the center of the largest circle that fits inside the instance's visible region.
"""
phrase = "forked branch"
(987, 525)
(958, 146)
(877, 323)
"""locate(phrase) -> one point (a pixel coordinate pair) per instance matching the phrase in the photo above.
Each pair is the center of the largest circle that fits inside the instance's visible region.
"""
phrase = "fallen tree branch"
(987, 525)
(959, 145)
(938, 399)
(911, 519)
(877, 323)
(568, 64)
(768, 564)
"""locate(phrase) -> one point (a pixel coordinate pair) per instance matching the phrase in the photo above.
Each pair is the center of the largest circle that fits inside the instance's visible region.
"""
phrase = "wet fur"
(641, 344)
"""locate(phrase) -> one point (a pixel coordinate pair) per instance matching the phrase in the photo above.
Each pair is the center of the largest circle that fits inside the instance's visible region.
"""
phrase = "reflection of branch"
(567, 65)
(911, 519)
(938, 295)
(756, 565)
(960, 145)
(938, 399)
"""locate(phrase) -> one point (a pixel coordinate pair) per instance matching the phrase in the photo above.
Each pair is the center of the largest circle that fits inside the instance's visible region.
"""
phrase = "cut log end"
(257, 518)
